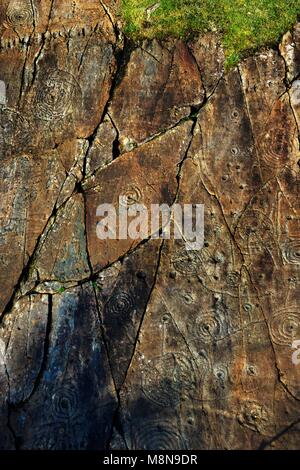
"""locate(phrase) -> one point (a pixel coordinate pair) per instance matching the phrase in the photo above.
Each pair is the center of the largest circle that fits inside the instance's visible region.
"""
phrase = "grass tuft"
(245, 25)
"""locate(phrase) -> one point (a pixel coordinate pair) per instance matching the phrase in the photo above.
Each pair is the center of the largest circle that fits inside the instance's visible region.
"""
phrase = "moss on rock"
(244, 24)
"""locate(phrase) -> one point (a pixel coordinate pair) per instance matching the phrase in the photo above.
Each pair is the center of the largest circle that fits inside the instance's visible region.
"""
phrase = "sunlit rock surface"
(145, 345)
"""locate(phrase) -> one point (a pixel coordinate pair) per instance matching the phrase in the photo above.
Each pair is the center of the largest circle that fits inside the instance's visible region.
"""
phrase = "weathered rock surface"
(160, 85)
(29, 190)
(144, 344)
(73, 401)
(147, 175)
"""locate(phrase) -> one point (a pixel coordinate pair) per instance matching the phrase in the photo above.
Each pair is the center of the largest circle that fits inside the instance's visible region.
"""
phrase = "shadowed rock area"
(122, 344)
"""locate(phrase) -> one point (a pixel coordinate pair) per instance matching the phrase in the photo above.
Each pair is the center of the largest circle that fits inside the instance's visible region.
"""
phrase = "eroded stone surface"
(62, 255)
(160, 85)
(123, 292)
(147, 175)
(24, 19)
(23, 333)
(290, 51)
(108, 344)
(101, 153)
(29, 190)
(210, 58)
(75, 384)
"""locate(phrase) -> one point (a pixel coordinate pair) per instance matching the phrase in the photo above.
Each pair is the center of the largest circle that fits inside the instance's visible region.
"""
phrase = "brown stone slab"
(160, 84)
(145, 176)
(75, 385)
(29, 189)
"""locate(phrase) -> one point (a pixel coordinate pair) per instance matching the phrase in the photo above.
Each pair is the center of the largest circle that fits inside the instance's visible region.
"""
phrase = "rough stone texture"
(147, 175)
(160, 84)
(145, 345)
(29, 190)
(290, 50)
(210, 59)
(74, 400)
(101, 153)
(123, 292)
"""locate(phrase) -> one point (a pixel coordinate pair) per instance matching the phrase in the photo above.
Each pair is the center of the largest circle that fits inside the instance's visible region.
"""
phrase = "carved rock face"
(189, 349)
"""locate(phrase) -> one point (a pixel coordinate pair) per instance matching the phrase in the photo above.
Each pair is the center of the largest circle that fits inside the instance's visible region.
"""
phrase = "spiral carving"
(285, 327)
(254, 415)
(132, 195)
(187, 297)
(190, 262)
(291, 252)
(221, 373)
(157, 435)
(233, 278)
(254, 231)
(168, 378)
(20, 13)
(54, 97)
(65, 403)
(120, 303)
(211, 326)
(274, 145)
